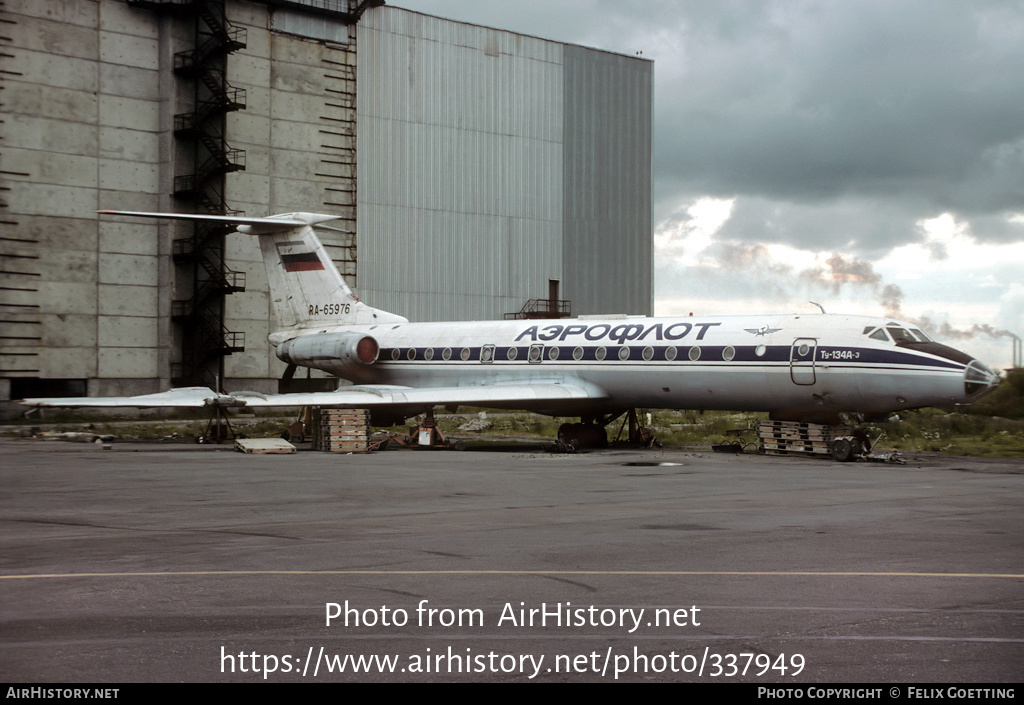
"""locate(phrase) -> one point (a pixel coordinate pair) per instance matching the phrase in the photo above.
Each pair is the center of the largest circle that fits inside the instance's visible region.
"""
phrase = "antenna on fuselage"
(819, 306)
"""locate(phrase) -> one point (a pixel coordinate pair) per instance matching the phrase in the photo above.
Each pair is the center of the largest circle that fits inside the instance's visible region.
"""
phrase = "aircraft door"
(801, 361)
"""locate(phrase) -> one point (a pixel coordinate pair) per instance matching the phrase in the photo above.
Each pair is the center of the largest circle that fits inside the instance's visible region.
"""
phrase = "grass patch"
(183, 430)
(932, 430)
(955, 433)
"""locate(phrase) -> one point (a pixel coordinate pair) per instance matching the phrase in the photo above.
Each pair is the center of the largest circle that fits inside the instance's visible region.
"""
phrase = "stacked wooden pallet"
(786, 437)
(341, 430)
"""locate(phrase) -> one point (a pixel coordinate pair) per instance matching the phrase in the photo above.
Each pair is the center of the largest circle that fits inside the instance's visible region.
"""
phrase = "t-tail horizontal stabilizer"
(283, 221)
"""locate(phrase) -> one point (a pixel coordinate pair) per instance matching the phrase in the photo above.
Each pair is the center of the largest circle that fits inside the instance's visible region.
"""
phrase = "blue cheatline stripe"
(831, 357)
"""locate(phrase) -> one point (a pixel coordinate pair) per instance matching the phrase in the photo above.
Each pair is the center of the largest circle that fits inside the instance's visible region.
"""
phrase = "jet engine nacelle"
(330, 351)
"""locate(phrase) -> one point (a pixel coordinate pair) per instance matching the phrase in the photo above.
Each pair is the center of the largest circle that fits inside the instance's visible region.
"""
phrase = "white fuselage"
(803, 367)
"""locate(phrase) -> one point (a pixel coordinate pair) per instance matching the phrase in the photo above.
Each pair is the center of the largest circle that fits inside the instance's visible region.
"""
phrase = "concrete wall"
(81, 131)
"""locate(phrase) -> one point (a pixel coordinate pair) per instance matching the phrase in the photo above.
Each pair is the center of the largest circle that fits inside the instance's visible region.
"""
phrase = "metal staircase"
(202, 146)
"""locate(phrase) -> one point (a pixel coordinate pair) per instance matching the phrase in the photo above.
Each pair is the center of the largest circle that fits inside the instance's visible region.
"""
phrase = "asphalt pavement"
(162, 562)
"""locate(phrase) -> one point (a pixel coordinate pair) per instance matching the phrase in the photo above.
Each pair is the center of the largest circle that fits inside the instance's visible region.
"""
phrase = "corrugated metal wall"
(459, 166)
(485, 157)
(608, 198)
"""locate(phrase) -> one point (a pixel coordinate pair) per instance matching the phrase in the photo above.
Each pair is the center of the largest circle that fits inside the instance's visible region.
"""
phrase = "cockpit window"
(899, 334)
(902, 335)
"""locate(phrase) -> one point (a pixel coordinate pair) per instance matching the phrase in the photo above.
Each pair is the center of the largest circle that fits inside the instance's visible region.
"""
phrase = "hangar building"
(475, 170)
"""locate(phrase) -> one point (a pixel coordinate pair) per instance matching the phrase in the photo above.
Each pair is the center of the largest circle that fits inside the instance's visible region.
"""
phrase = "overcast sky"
(867, 155)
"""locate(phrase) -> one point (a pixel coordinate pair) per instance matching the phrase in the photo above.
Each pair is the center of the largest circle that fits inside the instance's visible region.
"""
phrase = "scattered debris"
(426, 435)
(76, 436)
(893, 456)
(476, 425)
(735, 448)
(560, 446)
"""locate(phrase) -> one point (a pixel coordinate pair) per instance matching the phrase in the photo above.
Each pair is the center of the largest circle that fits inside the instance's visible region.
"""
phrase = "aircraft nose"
(979, 380)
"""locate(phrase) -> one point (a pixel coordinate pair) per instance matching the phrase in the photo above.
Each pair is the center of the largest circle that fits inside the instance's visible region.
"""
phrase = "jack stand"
(218, 429)
(429, 435)
(298, 431)
(638, 435)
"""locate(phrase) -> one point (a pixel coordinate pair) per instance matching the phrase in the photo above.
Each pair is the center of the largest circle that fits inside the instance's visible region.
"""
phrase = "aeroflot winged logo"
(762, 331)
(294, 260)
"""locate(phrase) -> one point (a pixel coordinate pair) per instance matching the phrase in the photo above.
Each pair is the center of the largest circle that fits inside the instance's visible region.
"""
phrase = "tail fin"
(306, 289)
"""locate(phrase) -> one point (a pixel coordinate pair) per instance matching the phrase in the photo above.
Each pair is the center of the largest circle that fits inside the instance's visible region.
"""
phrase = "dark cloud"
(823, 99)
(850, 120)
(850, 224)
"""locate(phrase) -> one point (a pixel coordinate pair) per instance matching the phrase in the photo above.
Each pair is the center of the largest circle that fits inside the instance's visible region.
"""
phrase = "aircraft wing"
(357, 397)
(368, 396)
(183, 397)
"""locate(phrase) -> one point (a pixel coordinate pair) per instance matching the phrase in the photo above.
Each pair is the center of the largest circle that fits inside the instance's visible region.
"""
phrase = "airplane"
(811, 368)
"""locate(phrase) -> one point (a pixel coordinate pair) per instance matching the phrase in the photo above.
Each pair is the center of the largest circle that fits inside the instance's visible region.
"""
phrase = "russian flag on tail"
(298, 261)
